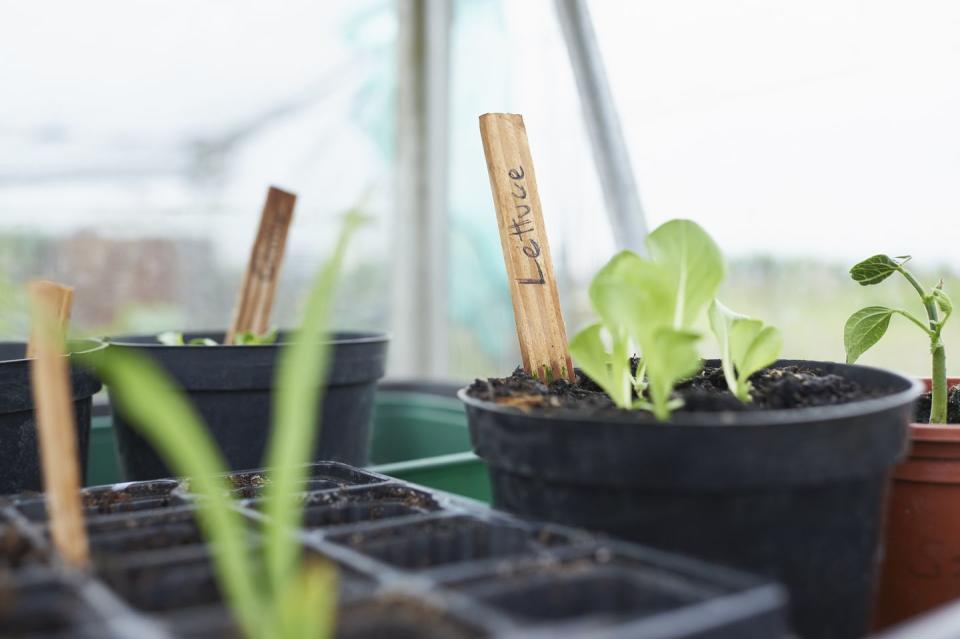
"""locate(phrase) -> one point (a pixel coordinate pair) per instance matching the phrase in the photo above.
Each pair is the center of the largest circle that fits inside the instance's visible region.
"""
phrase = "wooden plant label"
(526, 251)
(57, 432)
(252, 312)
(58, 299)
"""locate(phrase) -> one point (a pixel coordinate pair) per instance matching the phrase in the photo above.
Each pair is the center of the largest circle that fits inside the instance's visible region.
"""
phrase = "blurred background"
(138, 138)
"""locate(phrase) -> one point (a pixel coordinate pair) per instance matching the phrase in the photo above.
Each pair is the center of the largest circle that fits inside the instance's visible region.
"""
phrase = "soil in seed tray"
(401, 618)
(15, 550)
(773, 388)
(921, 414)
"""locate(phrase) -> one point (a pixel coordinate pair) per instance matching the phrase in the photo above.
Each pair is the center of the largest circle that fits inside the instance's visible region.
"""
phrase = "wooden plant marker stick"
(57, 432)
(526, 251)
(255, 301)
(56, 297)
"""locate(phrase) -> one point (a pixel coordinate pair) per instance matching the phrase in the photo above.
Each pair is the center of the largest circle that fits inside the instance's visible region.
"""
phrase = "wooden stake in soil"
(255, 302)
(57, 432)
(526, 251)
(58, 299)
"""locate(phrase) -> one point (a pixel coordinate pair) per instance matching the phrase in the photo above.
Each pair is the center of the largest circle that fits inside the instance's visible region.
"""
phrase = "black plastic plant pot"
(19, 457)
(792, 494)
(231, 388)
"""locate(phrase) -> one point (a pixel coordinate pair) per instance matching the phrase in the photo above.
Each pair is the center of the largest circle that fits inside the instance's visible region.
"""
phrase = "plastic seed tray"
(413, 563)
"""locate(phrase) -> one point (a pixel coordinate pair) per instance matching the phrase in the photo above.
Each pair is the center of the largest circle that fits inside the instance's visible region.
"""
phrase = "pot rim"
(343, 338)
(726, 418)
(927, 432)
(96, 344)
(947, 433)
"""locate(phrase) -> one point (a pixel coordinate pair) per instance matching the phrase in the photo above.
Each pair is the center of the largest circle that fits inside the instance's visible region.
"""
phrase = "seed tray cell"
(413, 563)
(16, 549)
(328, 509)
(107, 500)
(161, 581)
(40, 605)
(322, 476)
(441, 541)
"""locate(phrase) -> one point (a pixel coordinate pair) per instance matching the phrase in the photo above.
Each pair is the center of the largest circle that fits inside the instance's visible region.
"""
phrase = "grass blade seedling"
(291, 602)
(301, 376)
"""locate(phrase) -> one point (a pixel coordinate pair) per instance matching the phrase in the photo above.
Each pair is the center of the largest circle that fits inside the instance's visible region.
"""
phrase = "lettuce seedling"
(246, 338)
(865, 327)
(746, 346)
(651, 305)
(297, 600)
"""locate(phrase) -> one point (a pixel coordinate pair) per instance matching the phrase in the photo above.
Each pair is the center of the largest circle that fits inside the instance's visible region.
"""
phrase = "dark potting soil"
(773, 388)
(15, 550)
(921, 413)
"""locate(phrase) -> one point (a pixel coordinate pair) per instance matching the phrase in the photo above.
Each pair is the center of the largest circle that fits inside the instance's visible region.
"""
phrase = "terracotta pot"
(921, 569)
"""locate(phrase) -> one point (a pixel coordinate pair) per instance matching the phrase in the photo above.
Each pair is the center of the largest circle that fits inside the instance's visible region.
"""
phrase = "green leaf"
(202, 341)
(631, 295)
(721, 321)
(693, 265)
(864, 329)
(764, 349)
(170, 338)
(877, 268)
(249, 338)
(653, 304)
(300, 378)
(675, 358)
(166, 419)
(746, 346)
(590, 353)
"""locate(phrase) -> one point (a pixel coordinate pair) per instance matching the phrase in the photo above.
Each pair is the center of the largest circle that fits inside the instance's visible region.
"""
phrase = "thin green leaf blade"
(693, 264)
(864, 329)
(301, 375)
(165, 418)
(876, 268)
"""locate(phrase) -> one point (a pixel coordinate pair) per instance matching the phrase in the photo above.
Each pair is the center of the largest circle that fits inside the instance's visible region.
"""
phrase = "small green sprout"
(651, 304)
(865, 327)
(746, 346)
(246, 338)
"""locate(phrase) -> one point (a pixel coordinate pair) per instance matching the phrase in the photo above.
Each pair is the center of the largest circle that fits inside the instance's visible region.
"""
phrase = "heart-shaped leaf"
(864, 329)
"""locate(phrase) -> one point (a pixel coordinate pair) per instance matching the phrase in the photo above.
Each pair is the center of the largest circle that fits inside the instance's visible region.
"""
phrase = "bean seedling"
(865, 327)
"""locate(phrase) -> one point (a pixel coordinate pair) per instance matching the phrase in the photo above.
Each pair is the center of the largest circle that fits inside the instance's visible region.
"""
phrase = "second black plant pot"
(19, 456)
(794, 494)
(231, 388)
